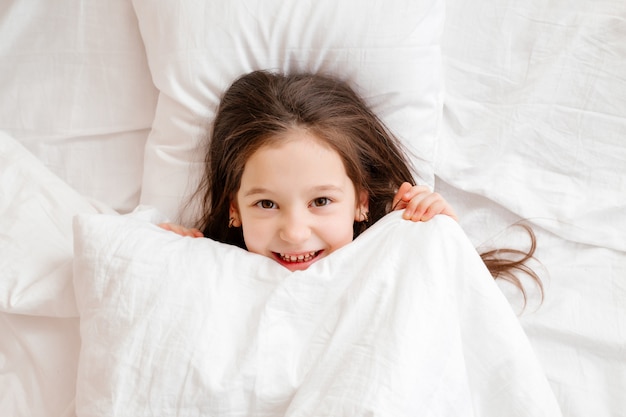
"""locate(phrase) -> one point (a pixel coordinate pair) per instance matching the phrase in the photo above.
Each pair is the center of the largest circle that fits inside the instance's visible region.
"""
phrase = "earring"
(231, 221)
(366, 216)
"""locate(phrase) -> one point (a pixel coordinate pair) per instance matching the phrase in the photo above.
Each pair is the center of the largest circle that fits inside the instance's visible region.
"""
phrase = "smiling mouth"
(300, 258)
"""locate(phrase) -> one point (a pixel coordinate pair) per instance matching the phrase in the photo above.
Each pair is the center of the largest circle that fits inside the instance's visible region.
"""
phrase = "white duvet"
(404, 321)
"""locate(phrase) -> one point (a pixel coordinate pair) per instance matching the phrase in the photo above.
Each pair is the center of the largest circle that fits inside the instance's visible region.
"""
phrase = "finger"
(425, 206)
(398, 199)
(191, 232)
(435, 204)
(417, 204)
(421, 204)
(449, 211)
(166, 226)
(429, 209)
(414, 196)
(416, 190)
(181, 230)
(432, 206)
(196, 233)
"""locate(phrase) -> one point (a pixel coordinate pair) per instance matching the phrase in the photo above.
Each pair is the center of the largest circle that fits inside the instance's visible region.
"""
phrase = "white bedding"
(39, 342)
(578, 332)
(77, 93)
(534, 128)
(36, 211)
(535, 115)
(172, 325)
(530, 126)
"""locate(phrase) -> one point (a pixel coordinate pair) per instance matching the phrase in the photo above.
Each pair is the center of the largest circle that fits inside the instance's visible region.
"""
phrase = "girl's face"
(296, 203)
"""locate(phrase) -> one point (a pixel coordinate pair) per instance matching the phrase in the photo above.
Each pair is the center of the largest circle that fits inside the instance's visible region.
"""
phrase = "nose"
(295, 228)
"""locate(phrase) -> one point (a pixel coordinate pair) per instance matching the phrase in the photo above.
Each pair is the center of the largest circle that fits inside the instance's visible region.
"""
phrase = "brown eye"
(321, 201)
(266, 204)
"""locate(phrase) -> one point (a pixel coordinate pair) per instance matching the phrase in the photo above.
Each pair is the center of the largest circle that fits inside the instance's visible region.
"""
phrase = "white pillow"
(176, 326)
(36, 211)
(77, 93)
(389, 51)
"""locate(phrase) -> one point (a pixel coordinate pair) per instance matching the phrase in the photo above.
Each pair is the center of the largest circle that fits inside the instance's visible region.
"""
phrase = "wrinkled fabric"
(404, 321)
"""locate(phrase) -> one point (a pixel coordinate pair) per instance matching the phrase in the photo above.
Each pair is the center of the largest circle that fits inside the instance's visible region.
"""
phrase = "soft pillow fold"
(36, 212)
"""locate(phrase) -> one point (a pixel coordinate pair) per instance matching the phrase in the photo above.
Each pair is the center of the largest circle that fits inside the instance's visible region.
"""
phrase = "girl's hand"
(421, 204)
(181, 230)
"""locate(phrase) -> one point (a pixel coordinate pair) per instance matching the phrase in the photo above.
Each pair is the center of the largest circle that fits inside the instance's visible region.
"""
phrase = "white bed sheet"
(39, 337)
(76, 90)
(533, 127)
(579, 331)
(535, 112)
(38, 365)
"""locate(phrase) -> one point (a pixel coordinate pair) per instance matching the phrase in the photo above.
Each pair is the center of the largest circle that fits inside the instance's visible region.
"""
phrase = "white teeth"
(298, 258)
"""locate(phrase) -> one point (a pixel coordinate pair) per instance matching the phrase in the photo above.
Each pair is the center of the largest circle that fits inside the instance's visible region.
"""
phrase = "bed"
(514, 111)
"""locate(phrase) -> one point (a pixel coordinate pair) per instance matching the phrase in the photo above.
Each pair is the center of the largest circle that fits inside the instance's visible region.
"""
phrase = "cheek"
(255, 235)
(339, 232)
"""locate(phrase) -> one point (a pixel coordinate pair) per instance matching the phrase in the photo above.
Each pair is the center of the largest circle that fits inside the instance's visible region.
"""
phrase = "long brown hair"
(260, 106)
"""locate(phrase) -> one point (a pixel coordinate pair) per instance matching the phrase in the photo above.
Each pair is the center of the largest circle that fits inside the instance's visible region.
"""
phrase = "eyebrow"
(256, 190)
(319, 188)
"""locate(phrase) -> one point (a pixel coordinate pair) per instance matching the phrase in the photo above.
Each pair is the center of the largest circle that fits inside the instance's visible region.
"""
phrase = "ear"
(233, 213)
(361, 214)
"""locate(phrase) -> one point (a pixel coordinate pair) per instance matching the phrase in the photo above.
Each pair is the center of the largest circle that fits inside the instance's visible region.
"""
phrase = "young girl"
(298, 166)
